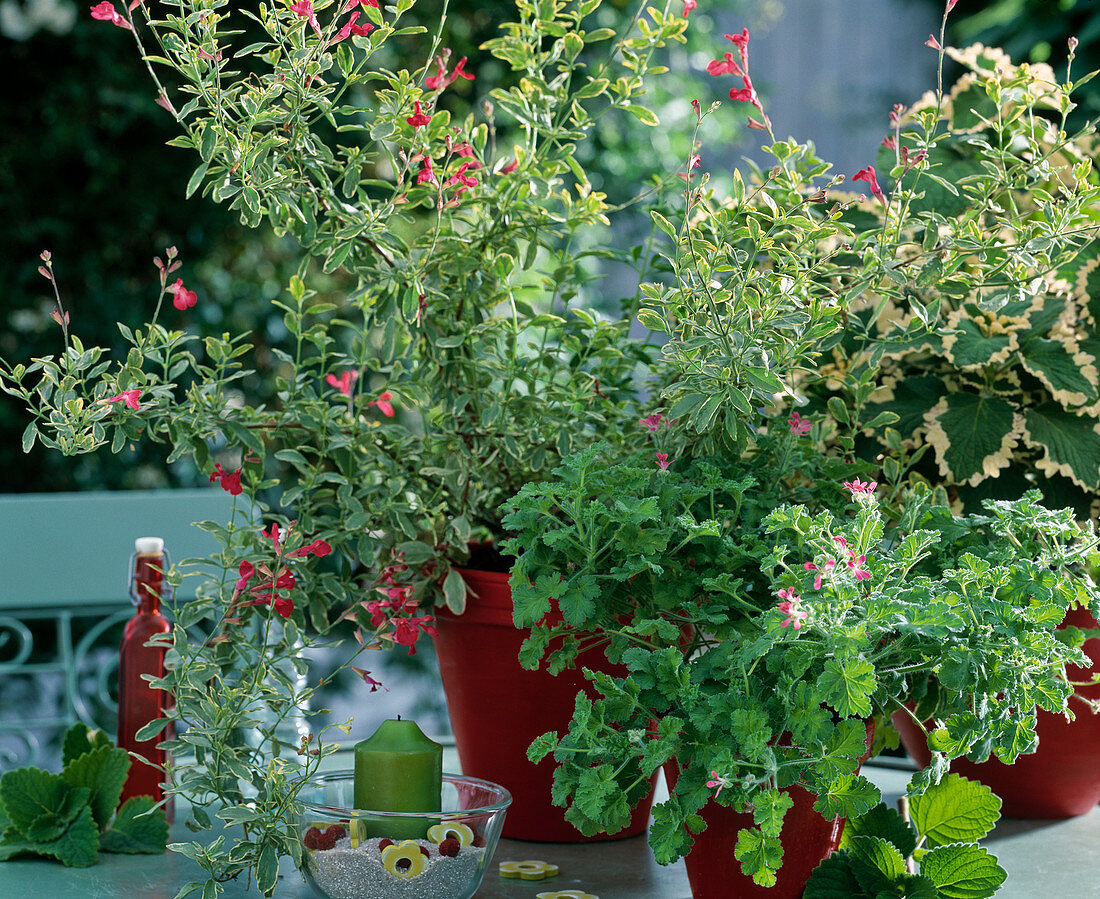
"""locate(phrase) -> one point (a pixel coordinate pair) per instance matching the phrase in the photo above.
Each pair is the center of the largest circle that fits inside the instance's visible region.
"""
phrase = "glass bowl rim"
(329, 777)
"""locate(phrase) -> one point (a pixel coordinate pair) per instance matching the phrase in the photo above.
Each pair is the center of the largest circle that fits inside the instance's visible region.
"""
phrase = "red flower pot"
(808, 839)
(1061, 779)
(497, 708)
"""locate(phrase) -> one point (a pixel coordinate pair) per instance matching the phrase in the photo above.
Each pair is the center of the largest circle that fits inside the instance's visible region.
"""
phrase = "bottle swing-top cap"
(149, 546)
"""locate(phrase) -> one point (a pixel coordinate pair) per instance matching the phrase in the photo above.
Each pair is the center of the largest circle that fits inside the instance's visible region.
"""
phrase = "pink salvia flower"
(245, 570)
(868, 175)
(663, 461)
(317, 548)
(689, 5)
(106, 12)
(383, 403)
(426, 175)
(889, 143)
(350, 28)
(725, 66)
(419, 118)
(129, 397)
(932, 42)
(230, 481)
(182, 298)
(511, 167)
(800, 426)
(741, 40)
(951, 4)
(304, 9)
(342, 383)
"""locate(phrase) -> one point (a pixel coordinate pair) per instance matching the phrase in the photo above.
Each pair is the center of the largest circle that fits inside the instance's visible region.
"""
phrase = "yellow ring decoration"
(566, 894)
(528, 870)
(437, 833)
(409, 851)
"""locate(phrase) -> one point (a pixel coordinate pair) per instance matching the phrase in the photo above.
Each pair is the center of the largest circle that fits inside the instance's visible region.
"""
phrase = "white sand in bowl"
(346, 873)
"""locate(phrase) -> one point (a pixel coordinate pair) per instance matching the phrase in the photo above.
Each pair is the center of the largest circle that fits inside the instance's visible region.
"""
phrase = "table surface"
(1042, 858)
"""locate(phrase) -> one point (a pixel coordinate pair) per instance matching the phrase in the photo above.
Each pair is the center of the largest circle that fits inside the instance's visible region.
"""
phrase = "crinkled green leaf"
(849, 795)
(103, 771)
(956, 810)
(138, 828)
(759, 854)
(847, 685)
(768, 810)
(963, 872)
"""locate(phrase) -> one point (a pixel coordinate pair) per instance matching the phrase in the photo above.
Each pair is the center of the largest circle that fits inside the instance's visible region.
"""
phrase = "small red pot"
(1061, 779)
(808, 839)
(497, 708)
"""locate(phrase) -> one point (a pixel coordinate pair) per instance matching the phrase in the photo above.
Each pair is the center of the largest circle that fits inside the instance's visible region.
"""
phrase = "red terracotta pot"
(808, 839)
(714, 873)
(498, 708)
(1061, 779)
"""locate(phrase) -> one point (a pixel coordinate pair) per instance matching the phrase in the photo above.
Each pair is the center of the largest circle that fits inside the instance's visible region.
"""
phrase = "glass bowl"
(350, 853)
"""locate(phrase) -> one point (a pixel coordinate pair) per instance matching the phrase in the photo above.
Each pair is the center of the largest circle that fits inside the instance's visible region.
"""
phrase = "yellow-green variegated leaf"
(972, 436)
(1070, 443)
(1087, 290)
(970, 347)
(1068, 372)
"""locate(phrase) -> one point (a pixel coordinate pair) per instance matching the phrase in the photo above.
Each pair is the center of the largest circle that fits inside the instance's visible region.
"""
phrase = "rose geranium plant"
(756, 650)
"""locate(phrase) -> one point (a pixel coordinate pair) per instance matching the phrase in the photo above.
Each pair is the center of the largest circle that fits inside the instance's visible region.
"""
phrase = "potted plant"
(759, 651)
(1004, 392)
(459, 364)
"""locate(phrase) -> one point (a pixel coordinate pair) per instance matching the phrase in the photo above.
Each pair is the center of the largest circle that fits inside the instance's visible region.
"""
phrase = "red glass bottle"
(138, 701)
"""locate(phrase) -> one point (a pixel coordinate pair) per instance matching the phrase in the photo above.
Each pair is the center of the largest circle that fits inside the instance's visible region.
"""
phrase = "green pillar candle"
(398, 769)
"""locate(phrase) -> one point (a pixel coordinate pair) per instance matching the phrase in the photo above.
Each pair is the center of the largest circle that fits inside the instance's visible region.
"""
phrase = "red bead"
(449, 847)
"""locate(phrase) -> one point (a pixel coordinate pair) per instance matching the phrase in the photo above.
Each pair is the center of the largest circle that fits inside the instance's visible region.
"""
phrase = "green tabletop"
(1043, 858)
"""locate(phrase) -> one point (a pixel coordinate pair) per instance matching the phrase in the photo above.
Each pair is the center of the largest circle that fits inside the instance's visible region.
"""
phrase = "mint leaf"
(13, 843)
(103, 771)
(955, 810)
(75, 743)
(138, 828)
(760, 855)
(78, 846)
(30, 793)
(963, 872)
(881, 821)
(834, 879)
(879, 854)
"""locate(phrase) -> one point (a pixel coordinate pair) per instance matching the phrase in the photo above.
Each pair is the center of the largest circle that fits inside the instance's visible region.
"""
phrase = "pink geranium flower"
(663, 461)
(129, 397)
(716, 780)
(795, 615)
(860, 488)
(800, 426)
